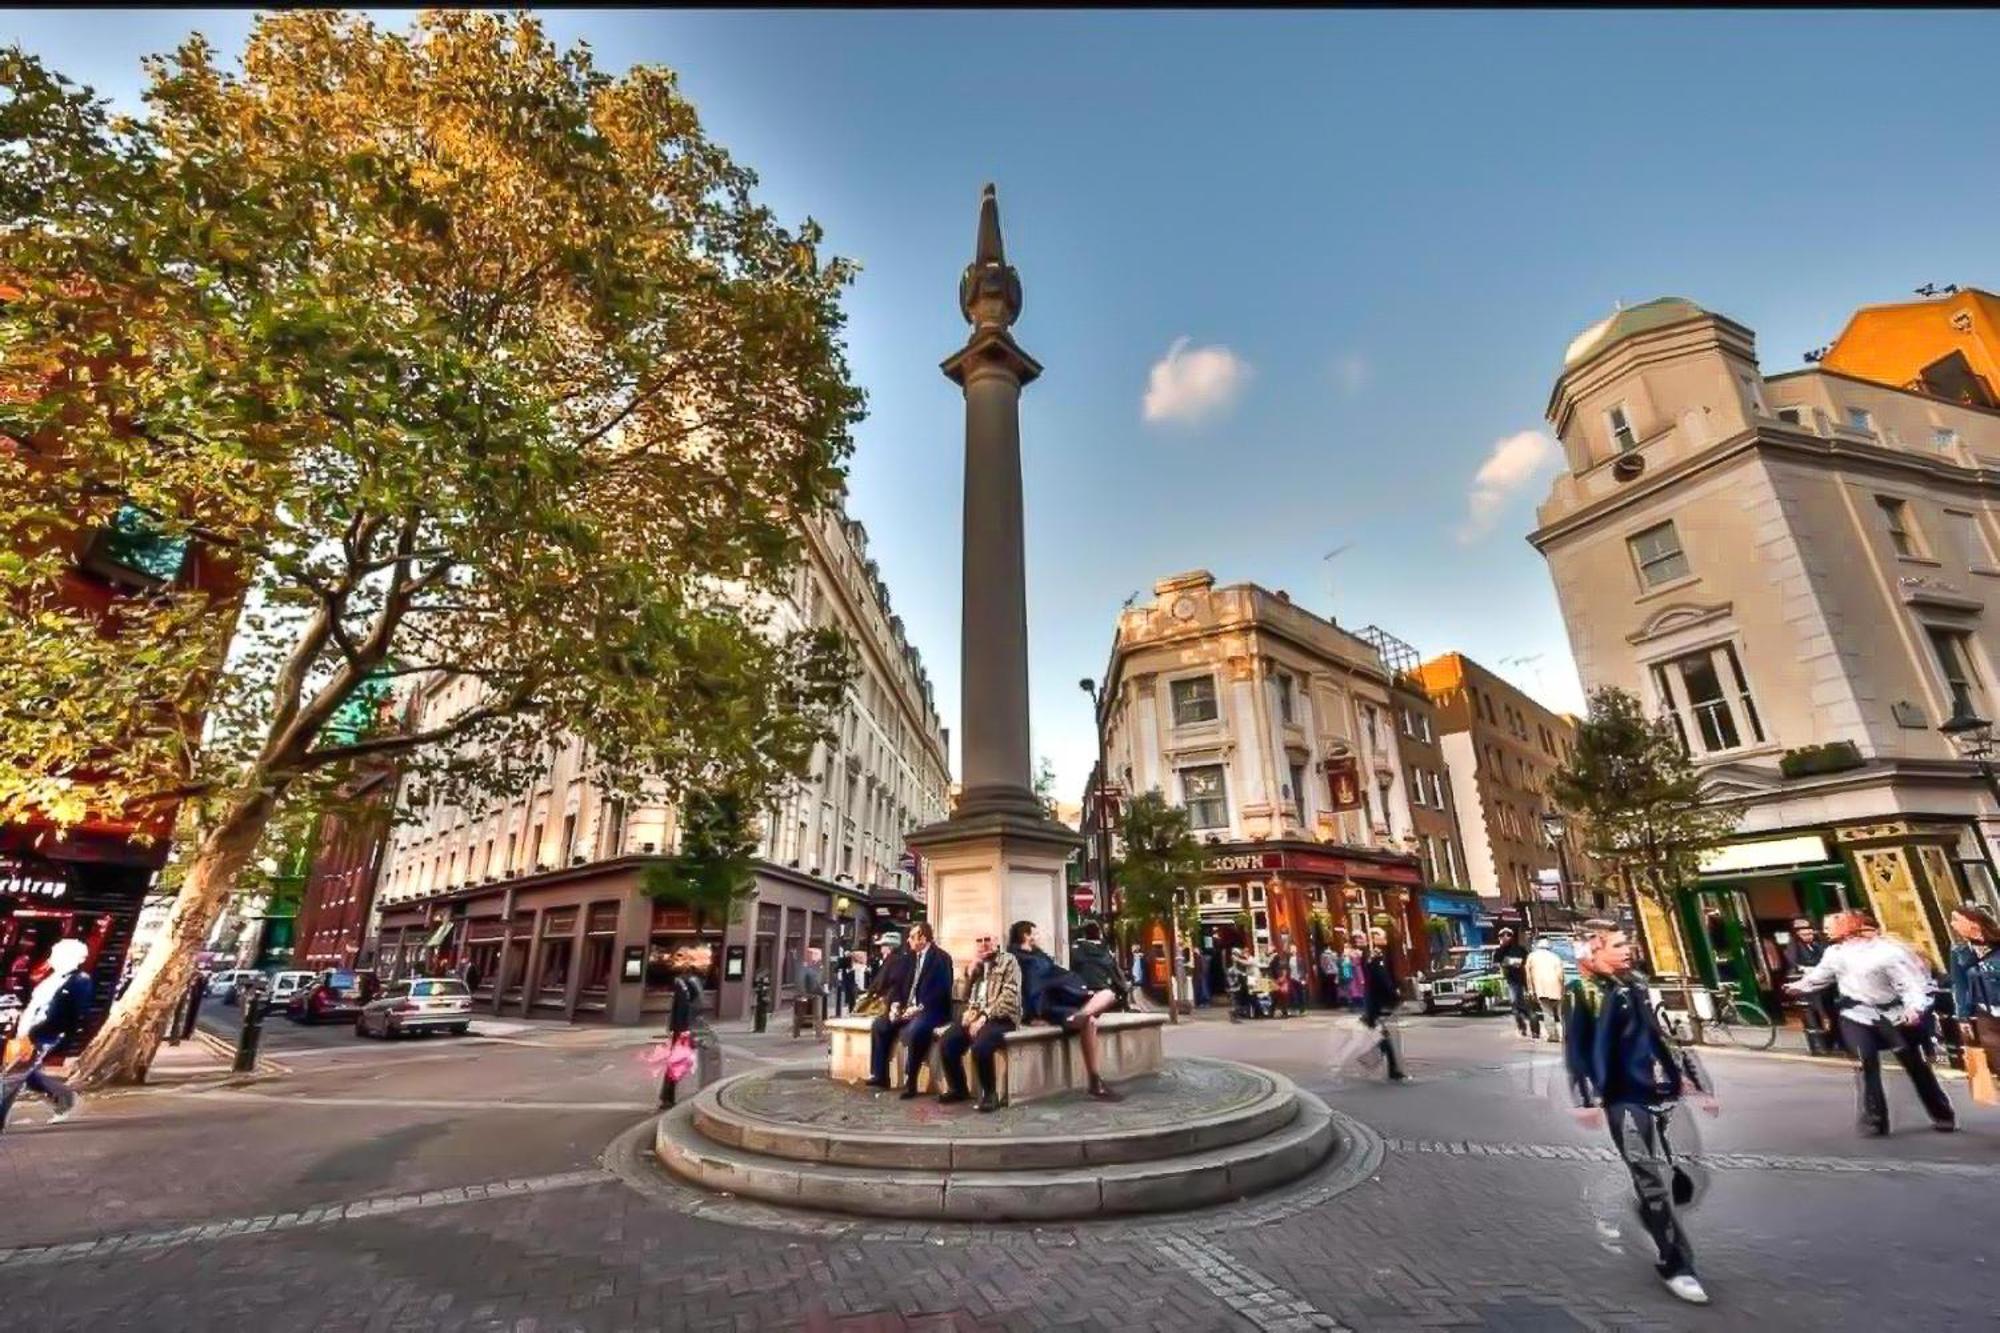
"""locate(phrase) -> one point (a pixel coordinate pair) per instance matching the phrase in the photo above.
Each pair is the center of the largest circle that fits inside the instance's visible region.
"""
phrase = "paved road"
(460, 1185)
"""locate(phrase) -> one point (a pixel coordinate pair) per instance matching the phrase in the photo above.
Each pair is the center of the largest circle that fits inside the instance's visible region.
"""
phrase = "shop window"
(1193, 700)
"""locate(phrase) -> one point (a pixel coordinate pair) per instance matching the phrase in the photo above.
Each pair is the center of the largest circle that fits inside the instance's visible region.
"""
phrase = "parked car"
(287, 984)
(227, 984)
(334, 996)
(424, 1004)
(1468, 984)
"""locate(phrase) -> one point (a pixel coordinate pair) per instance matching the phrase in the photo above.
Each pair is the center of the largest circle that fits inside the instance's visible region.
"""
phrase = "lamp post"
(1103, 812)
(1972, 736)
(1555, 828)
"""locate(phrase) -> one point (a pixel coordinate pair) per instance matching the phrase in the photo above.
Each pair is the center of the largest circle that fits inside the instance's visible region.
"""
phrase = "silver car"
(423, 1004)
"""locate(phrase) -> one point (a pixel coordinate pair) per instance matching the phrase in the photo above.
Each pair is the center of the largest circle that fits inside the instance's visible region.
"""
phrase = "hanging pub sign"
(33, 877)
(1343, 782)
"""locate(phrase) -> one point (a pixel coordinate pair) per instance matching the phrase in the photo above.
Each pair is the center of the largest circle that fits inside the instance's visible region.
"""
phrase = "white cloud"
(1352, 373)
(1191, 383)
(1510, 465)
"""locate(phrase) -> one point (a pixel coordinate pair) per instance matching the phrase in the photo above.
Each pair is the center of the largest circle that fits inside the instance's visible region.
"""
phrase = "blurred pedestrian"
(1627, 1074)
(1884, 994)
(1512, 959)
(1545, 987)
(1329, 974)
(1380, 1000)
(55, 1012)
(686, 993)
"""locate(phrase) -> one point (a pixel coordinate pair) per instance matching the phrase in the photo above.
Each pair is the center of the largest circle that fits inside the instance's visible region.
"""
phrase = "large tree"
(477, 362)
(713, 871)
(1162, 862)
(1638, 796)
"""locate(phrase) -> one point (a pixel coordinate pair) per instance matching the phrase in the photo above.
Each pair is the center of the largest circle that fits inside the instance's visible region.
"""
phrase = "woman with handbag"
(686, 991)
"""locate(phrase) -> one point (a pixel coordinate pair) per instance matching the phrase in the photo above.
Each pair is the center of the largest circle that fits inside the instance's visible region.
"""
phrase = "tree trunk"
(1174, 960)
(124, 1046)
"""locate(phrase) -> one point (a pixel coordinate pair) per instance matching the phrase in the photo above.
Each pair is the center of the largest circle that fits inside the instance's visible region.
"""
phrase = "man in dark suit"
(919, 1004)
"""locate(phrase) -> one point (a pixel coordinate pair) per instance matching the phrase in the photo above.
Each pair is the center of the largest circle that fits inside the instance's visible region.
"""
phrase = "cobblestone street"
(503, 1185)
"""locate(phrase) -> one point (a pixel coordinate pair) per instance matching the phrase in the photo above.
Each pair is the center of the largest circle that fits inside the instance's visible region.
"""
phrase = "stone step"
(1185, 1181)
(1139, 1138)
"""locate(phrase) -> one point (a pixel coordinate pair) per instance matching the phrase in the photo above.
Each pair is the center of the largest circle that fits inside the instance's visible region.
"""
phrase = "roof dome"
(1622, 324)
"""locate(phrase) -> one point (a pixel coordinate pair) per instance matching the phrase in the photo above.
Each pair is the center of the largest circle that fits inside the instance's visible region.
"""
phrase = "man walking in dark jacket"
(1512, 959)
(1380, 1000)
(55, 1011)
(1627, 1073)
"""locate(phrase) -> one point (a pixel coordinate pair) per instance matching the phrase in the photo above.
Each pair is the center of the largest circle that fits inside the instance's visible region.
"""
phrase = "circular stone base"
(1198, 1132)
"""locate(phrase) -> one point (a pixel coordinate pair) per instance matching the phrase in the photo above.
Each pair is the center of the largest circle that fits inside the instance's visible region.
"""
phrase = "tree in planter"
(1162, 860)
(486, 371)
(1630, 782)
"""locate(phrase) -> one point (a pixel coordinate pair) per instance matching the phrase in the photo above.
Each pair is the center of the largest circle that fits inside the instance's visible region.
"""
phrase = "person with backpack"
(1627, 1074)
(54, 1014)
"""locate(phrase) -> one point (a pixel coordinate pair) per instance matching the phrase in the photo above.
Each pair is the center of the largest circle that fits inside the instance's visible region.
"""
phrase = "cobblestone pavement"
(393, 1195)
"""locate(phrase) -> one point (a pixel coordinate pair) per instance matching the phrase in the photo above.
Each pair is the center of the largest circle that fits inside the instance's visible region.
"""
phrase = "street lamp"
(1555, 828)
(1972, 736)
(1089, 687)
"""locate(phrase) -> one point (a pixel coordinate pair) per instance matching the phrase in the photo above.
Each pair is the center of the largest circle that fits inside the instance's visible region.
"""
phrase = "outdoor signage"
(1314, 863)
(732, 965)
(1343, 782)
(21, 877)
(1245, 861)
(635, 962)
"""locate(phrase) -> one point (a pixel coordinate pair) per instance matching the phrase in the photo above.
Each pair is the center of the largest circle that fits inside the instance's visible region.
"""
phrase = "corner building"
(1278, 732)
(540, 892)
(1800, 571)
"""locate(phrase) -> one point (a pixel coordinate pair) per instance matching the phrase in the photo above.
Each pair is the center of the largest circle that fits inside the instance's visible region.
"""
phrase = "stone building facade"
(540, 893)
(1801, 571)
(1501, 747)
(1279, 733)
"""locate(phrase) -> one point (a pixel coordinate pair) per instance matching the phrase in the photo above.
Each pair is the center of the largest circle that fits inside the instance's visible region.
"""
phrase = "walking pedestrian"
(1351, 975)
(55, 1011)
(1975, 984)
(1329, 975)
(1301, 973)
(1512, 959)
(1381, 998)
(1278, 971)
(1627, 1074)
(1884, 995)
(1545, 987)
(686, 992)
(197, 991)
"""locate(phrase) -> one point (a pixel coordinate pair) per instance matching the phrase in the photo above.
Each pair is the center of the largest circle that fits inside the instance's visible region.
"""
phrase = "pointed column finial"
(989, 295)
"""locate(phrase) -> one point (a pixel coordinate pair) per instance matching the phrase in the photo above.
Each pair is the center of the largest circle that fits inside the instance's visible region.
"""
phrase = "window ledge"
(1663, 589)
(1741, 752)
(1924, 560)
(1989, 571)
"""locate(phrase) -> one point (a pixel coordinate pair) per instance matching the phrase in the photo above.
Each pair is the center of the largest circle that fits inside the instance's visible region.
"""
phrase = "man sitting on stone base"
(992, 1008)
(918, 1007)
(1053, 994)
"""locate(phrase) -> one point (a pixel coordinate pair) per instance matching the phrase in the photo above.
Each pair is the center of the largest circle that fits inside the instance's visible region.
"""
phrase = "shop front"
(45, 898)
(1307, 895)
(589, 945)
(1454, 918)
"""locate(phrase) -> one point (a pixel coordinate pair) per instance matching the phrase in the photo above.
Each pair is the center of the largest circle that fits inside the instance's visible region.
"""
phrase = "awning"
(440, 935)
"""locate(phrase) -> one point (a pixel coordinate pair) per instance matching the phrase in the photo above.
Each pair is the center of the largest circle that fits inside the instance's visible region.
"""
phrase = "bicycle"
(1738, 1021)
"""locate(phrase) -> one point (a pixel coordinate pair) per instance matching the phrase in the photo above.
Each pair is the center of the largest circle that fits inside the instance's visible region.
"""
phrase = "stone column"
(999, 858)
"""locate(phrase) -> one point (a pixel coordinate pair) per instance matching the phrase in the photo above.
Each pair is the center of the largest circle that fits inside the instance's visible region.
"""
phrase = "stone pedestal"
(1035, 1061)
(988, 871)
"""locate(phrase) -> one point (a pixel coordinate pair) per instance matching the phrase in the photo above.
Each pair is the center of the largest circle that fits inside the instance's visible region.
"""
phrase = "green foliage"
(1637, 795)
(1834, 757)
(713, 872)
(1045, 786)
(1161, 856)
(1320, 922)
(484, 369)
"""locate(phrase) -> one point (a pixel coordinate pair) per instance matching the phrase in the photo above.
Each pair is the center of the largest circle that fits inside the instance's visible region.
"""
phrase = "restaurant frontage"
(588, 944)
(1256, 895)
(82, 887)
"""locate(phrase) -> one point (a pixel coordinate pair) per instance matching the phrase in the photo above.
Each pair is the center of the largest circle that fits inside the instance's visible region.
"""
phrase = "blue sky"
(1378, 229)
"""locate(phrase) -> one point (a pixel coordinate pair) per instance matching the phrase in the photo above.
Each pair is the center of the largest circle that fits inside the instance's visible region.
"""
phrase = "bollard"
(762, 1010)
(253, 1032)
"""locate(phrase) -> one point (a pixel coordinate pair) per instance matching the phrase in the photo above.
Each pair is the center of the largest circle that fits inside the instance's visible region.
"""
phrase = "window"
(1861, 419)
(1971, 538)
(1954, 654)
(1657, 552)
(1622, 436)
(1285, 706)
(1194, 700)
(1943, 438)
(1709, 700)
(1437, 791)
(1424, 727)
(1205, 795)
(1902, 533)
(1795, 415)
(1416, 786)
(569, 836)
(1297, 774)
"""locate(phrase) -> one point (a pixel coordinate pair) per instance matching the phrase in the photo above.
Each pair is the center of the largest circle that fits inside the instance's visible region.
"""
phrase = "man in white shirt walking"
(1883, 997)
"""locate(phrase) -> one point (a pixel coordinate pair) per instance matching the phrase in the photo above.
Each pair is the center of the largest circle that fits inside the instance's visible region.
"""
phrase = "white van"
(285, 983)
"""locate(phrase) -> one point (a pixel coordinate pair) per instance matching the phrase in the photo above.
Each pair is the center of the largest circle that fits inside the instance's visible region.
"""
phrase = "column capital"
(989, 351)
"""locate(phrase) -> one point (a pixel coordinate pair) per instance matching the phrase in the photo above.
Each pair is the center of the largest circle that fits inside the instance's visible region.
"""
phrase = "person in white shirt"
(1545, 986)
(1884, 995)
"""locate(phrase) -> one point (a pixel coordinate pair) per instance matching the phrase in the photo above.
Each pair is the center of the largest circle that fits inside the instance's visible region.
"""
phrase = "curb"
(1844, 1066)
